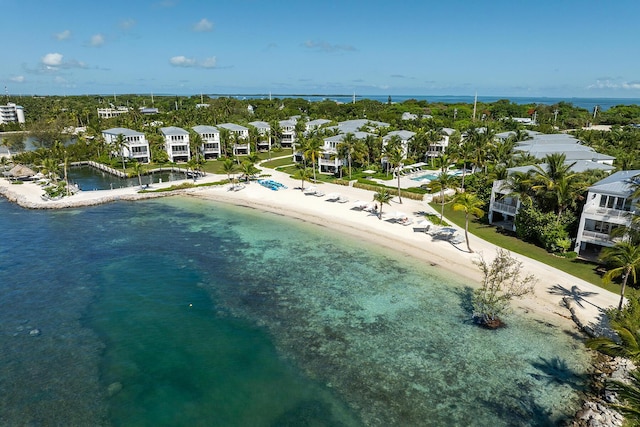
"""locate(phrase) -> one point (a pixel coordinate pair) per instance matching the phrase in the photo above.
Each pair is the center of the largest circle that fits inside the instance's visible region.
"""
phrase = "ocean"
(183, 312)
(586, 103)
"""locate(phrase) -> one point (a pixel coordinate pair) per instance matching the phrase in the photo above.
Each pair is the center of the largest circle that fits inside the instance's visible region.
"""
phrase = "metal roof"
(205, 129)
(122, 131)
(173, 130)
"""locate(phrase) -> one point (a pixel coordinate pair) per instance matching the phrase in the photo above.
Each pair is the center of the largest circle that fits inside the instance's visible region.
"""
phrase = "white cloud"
(183, 61)
(327, 47)
(209, 62)
(64, 35)
(127, 23)
(17, 79)
(96, 40)
(608, 84)
(52, 59)
(203, 25)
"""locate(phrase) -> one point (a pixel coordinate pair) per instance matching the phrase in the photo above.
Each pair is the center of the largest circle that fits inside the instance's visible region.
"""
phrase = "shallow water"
(185, 312)
(90, 179)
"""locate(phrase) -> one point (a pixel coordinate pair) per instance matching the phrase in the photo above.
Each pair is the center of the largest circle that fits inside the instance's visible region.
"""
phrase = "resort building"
(11, 113)
(210, 135)
(108, 113)
(404, 136)
(264, 132)
(148, 111)
(135, 145)
(610, 204)
(437, 148)
(330, 161)
(287, 132)
(176, 143)
(352, 126)
(240, 138)
(316, 124)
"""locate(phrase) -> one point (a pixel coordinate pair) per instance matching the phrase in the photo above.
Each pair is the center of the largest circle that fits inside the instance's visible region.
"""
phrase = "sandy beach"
(555, 291)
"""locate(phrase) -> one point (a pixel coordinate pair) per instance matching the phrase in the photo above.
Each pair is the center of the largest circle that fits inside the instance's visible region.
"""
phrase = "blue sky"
(566, 48)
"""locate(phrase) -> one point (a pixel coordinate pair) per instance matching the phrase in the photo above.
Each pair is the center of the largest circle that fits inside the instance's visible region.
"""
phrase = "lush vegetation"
(552, 197)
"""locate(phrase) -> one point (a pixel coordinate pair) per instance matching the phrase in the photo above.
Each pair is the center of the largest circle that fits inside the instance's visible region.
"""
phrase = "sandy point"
(560, 299)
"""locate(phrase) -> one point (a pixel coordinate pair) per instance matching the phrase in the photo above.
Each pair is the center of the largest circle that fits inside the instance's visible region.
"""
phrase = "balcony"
(504, 208)
(602, 239)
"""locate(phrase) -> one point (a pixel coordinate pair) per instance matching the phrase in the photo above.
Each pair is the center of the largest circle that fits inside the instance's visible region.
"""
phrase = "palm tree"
(225, 140)
(248, 169)
(137, 169)
(395, 157)
(119, 145)
(313, 150)
(347, 147)
(276, 132)
(303, 174)
(625, 259)
(382, 196)
(229, 167)
(470, 204)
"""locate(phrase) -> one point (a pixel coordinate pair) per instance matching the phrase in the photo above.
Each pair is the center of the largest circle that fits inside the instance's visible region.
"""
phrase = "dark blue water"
(185, 312)
(586, 103)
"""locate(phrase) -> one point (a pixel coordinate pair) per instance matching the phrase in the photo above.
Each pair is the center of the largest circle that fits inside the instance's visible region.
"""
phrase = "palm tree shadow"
(578, 296)
(556, 370)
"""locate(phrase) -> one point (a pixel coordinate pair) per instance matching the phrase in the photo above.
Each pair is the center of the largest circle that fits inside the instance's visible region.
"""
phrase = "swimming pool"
(429, 176)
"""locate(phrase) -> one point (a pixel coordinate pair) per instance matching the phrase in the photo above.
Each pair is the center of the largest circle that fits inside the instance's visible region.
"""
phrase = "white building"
(136, 146)
(609, 205)
(107, 113)
(287, 132)
(404, 135)
(316, 124)
(210, 136)
(330, 161)
(240, 136)
(264, 130)
(436, 148)
(11, 113)
(176, 143)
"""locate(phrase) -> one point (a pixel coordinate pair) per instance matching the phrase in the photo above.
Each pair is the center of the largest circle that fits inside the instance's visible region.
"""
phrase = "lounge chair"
(318, 194)
(343, 199)
(332, 197)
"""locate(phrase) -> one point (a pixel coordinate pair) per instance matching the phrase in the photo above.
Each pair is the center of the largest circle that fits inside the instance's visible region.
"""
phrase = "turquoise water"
(184, 312)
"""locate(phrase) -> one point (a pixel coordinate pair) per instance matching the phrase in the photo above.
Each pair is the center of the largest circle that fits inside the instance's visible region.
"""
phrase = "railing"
(608, 212)
(503, 207)
(597, 237)
(179, 152)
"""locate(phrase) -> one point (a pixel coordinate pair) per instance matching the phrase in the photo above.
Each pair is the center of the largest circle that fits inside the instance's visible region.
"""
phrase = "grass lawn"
(579, 268)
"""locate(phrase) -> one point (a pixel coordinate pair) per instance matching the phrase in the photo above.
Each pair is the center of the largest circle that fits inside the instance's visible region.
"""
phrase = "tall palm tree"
(442, 184)
(275, 132)
(395, 158)
(382, 196)
(347, 147)
(119, 145)
(470, 204)
(225, 141)
(625, 259)
(137, 169)
(313, 150)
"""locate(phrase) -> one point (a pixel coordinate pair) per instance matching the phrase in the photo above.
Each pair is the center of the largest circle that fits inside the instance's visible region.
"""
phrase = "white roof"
(205, 129)
(123, 131)
(173, 130)
(232, 126)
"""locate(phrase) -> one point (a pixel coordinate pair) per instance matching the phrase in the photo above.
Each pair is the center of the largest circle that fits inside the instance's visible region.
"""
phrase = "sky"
(552, 48)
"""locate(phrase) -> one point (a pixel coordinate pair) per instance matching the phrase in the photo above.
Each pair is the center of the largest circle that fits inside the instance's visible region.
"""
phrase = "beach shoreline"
(560, 299)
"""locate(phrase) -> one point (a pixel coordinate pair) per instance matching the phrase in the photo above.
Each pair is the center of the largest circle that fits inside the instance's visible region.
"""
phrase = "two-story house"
(135, 147)
(264, 132)
(176, 143)
(240, 138)
(610, 204)
(210, 137)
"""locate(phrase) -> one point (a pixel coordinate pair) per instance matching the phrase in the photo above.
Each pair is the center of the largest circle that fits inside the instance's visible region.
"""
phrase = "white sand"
(586, 300)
